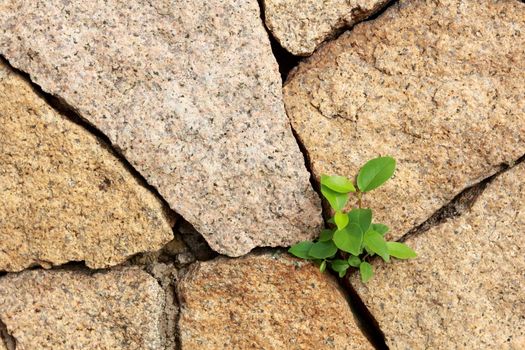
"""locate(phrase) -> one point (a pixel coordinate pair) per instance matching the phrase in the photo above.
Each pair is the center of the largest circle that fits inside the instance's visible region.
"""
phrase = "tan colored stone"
(438, 86)
(466, 288)
(64, 195)
(59, 309)
(191, 94)
(264, 301)
(301, 25)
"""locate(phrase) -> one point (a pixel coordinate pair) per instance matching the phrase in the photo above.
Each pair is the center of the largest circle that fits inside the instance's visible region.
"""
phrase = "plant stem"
(359, 196)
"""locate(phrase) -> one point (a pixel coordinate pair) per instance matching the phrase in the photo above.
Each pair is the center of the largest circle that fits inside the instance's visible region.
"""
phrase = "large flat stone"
(466, 288)
(264, 302)
(118, 309)
(301, 25)
(191, 94)
(63, 195)
(437, 86)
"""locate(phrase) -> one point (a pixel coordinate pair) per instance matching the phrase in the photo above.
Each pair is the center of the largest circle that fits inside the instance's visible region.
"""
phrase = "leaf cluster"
(353, 238)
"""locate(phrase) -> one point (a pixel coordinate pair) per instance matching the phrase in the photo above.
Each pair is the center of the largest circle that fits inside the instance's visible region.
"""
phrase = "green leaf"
(400, 250)
(366, 271)
(377, 244)
(337, 183)
(339, 265)
(342, 274)
(301, 249)
(326, 235)
(341, 220)
(354, 261)
(337, 200)
(322, 267)
(322, 250)
(331, 221)
(380, 228)
(375, 173)
(361, 217)
(349, 239)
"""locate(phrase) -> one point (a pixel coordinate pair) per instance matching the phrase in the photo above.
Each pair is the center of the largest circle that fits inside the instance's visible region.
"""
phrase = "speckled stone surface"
(262, 301)
(301, 25)
(63, 195)
(437, 86)
(466, 288)
(191, 94)
(58, 310)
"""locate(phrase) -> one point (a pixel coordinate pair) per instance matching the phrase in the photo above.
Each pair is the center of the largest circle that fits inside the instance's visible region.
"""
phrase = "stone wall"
(154, 165)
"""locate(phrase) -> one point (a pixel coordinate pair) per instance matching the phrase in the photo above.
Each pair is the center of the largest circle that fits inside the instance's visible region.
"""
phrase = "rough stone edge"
(455, 208)
(70, 113)
(8, 340)
(338, 28)
(169, 323)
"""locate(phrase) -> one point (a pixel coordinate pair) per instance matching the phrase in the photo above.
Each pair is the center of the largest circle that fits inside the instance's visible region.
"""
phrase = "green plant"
(352, 238)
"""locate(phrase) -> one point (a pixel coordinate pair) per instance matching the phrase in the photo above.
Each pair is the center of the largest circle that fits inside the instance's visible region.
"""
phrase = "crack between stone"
(170, 331)
(8, 339)
(340, 30)
(285, 60)
(460, 204)
(69, 112)
(367, 323)
(366, 320)
(178, 300)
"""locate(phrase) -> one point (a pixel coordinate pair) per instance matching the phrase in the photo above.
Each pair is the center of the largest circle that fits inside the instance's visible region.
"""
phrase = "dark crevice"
(47, 266)
(177, 344)
(366, 321)
(285, 60)
(196, 243)
(315, 184)
(8, 340)
(460, 204)
(165, 275)
(71, 114)
(178, 301)
(359, 18)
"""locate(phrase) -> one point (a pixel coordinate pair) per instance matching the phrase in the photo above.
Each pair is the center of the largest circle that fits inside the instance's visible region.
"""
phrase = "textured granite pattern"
(264, 302)
(301, 25)
(437, 86)
(466, 288)
(63, 195)
(191, 94)
(59, 310)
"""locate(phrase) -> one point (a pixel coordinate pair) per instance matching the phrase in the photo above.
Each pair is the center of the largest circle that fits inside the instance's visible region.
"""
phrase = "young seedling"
(353, 238)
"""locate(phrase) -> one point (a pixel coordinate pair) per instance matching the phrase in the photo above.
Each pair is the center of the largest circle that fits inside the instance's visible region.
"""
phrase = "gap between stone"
(287, 62)
(340, 31)
(69, 112)
(8, 339)
(460, 203)
(167, 276)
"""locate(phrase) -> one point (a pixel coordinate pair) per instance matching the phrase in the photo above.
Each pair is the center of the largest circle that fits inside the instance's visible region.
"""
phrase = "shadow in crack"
(285, 60)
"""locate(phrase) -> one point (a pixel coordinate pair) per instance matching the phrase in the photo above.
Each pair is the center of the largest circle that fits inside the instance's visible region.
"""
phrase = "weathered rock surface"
(264, 302)
(58, 309)
(64, 195)
(191, 94)
(301, 25)
(465, 289)
(438, 86)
